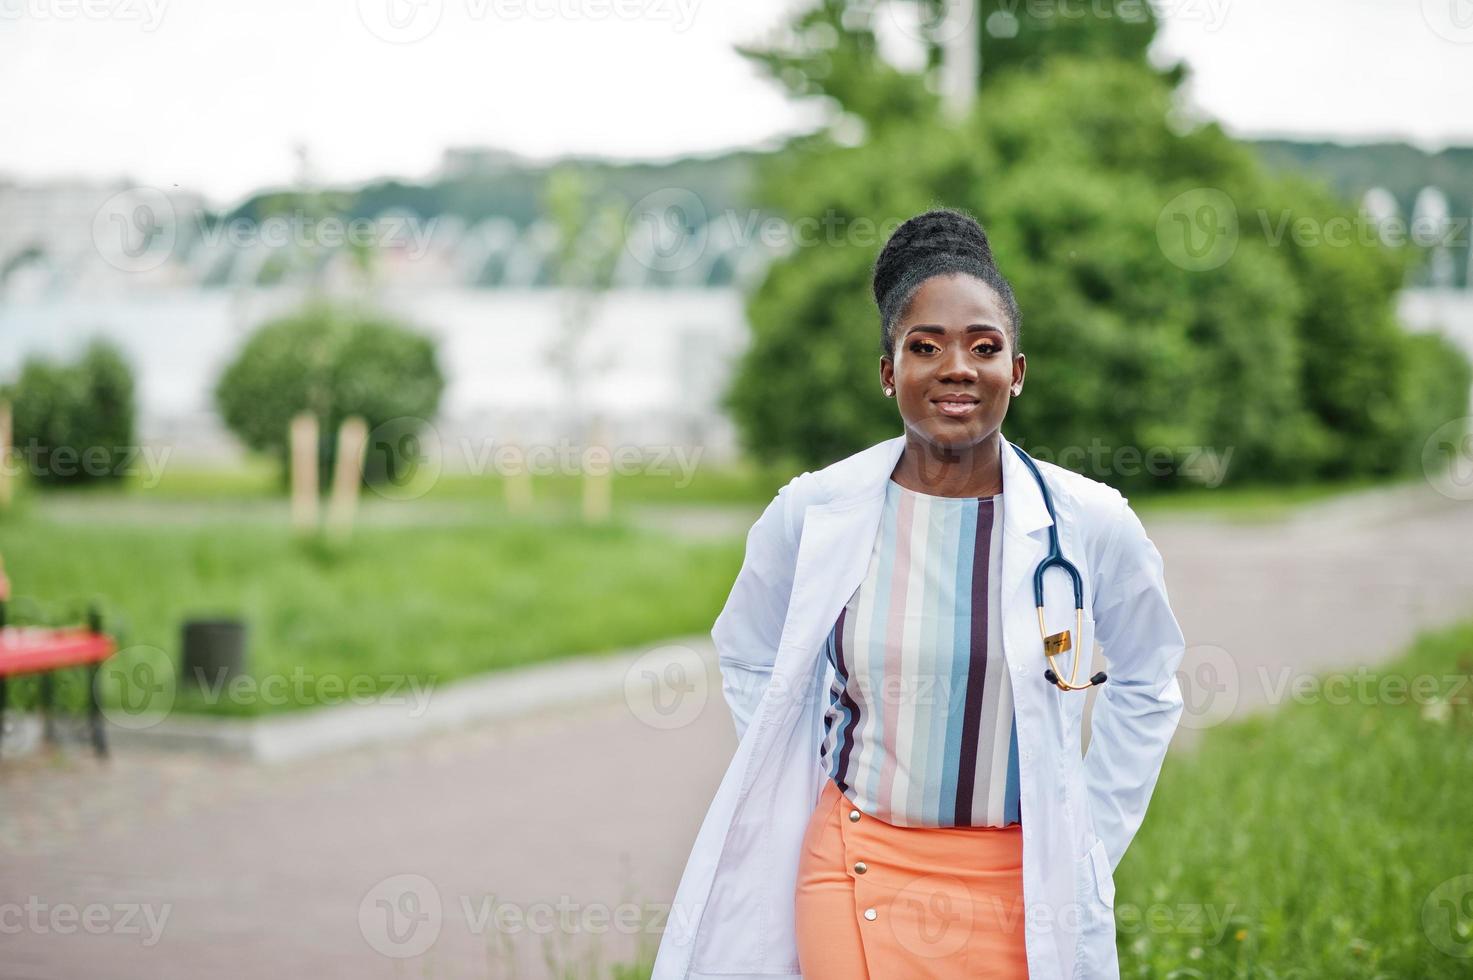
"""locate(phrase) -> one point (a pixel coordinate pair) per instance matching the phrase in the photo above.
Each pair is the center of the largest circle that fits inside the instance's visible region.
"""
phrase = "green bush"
(334, 362)
(73, 422)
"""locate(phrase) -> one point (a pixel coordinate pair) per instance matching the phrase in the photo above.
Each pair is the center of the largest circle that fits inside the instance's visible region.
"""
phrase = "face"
(954, 369)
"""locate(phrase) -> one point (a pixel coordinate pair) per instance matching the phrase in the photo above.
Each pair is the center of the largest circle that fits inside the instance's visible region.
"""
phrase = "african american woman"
(902, 655)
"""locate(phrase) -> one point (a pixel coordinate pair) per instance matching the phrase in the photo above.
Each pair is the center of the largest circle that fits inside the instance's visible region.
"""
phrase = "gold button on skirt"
(881, 902)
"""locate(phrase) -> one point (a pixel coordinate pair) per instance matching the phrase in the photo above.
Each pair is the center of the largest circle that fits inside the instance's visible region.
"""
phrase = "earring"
(889, 391)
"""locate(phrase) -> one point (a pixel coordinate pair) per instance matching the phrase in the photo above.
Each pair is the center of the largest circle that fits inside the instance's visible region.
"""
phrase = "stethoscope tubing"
(1055, 559)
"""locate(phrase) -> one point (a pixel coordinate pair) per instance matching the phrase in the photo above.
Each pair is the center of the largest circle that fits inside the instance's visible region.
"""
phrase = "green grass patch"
(1323, 840)
(436, 603)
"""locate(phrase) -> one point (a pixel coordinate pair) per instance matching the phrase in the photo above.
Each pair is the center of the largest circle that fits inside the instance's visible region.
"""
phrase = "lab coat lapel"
(833, 557)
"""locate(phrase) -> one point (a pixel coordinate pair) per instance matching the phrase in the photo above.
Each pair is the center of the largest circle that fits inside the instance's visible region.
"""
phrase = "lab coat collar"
(1023, 512)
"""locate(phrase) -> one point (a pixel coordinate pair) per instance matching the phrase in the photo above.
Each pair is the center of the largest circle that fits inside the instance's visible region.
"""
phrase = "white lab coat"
(732, 916)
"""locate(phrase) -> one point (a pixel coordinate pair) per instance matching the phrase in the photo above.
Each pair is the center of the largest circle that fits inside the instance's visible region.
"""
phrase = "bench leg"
(48, 708)
(94, 710)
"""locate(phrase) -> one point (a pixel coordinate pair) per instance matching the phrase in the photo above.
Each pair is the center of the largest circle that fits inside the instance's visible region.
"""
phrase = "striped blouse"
(919, 730)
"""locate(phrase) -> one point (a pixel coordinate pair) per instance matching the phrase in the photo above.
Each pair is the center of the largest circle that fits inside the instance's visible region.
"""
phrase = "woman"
(907, 798)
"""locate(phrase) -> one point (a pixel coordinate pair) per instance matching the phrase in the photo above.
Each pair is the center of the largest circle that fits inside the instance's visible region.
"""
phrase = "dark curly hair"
(940, 242)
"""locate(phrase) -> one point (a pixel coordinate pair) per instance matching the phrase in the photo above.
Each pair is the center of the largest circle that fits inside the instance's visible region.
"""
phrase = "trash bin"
(214, 652)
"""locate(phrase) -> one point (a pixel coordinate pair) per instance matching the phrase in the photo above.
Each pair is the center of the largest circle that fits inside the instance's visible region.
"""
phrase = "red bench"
(38, 650)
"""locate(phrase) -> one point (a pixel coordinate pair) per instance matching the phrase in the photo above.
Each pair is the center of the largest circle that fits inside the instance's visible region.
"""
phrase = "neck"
(951, 471)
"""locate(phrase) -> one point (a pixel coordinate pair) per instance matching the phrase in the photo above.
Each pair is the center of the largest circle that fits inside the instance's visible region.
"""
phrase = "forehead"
(955, 300)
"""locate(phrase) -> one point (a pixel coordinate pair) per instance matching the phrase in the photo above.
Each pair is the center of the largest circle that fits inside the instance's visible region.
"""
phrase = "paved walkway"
(528, 835)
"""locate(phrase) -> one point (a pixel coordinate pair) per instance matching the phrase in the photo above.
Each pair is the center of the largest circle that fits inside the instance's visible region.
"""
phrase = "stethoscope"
(1057, 643)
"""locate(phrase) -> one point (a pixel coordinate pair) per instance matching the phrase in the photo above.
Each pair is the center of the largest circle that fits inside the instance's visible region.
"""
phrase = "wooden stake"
(7, 491)
(347, 477)
(518, 483)
(304, 471)
(598, 491)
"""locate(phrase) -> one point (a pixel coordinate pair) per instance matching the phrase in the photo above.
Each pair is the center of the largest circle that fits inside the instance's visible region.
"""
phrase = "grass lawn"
(439, 602)
(743, 484)
(1324, 840)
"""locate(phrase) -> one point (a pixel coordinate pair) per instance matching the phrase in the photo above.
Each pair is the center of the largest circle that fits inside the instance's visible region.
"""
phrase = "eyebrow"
(934, 328)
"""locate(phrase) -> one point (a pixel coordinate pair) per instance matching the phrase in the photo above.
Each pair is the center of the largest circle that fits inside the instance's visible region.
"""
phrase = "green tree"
(1163, 307)
(334, 361)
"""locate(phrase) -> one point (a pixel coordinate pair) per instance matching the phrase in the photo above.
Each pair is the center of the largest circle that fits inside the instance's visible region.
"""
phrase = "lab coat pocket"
(1104, 879)
(1095, 955)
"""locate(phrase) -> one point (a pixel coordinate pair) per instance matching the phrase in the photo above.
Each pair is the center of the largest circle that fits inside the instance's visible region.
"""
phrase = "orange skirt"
(879, 901)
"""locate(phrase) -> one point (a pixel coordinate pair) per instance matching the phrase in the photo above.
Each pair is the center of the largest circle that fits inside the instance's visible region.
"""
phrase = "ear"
(887, 371)
(1020, 368)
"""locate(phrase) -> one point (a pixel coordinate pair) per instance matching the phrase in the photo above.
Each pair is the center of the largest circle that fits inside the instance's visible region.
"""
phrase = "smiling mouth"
(956, 407)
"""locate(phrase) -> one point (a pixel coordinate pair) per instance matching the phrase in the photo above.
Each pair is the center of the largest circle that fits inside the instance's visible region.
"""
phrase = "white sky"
(214, 94)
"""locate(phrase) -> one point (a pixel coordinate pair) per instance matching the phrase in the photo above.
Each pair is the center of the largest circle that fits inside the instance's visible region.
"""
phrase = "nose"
(955, 365)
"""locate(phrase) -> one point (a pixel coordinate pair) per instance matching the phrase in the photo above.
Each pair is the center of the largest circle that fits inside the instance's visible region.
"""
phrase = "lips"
(956, 406)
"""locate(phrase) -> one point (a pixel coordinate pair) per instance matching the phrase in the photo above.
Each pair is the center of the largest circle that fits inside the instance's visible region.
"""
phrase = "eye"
(921, 346)
(987, 348)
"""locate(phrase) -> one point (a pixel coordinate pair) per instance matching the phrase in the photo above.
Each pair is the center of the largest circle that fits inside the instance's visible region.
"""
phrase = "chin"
(949, 434)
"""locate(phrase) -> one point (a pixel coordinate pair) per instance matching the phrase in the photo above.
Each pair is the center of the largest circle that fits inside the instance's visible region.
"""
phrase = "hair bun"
(943, 232)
